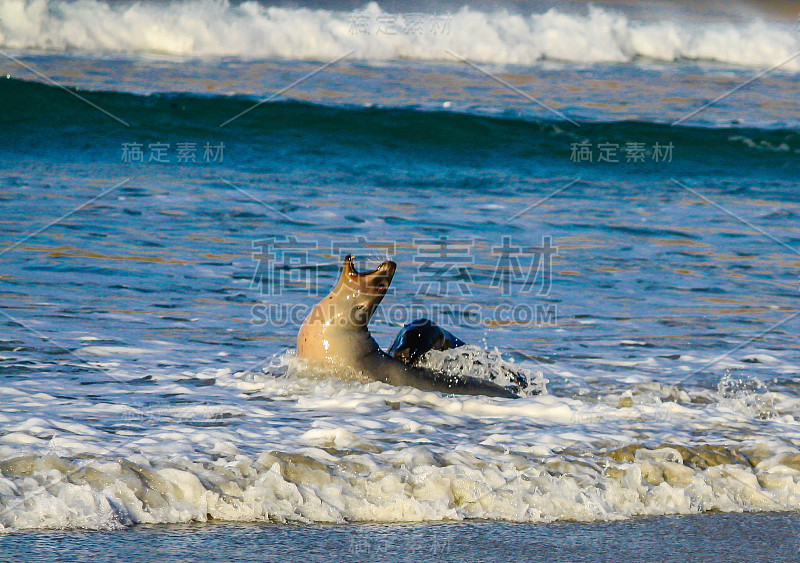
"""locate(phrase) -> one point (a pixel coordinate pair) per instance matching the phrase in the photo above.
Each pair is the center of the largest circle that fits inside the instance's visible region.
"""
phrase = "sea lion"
(336, 334)
(419, 337)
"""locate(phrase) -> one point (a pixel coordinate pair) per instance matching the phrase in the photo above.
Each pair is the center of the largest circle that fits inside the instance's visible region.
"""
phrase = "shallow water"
(713, 537)
(147, 368)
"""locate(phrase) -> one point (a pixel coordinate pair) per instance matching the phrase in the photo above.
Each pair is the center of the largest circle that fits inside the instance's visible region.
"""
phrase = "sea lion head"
(336, 328)
(358, 294)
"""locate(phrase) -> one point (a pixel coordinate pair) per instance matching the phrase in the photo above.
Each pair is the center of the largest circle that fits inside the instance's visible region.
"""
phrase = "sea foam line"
(214, 28)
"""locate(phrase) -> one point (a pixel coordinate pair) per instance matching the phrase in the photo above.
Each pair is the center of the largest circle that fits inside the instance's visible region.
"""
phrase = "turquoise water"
(160, 248)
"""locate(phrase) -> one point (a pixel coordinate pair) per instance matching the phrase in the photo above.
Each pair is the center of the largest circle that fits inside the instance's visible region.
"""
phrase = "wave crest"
(214, 28)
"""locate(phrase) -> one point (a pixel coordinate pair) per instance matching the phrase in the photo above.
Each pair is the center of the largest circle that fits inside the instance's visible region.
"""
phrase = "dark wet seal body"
(419, 337)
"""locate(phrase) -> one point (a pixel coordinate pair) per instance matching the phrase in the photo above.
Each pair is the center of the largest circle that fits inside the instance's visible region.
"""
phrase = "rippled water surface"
(147, 368)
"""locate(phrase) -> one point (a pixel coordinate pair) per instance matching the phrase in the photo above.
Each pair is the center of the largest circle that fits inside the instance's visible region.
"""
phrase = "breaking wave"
(393, 455)
(217, 28)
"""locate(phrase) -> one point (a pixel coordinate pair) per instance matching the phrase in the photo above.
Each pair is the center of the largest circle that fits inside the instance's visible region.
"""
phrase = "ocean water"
(766, 536)
(600, 198)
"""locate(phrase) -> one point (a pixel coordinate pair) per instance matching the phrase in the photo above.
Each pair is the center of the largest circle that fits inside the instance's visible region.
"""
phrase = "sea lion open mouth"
(349, 263)
(374, 282)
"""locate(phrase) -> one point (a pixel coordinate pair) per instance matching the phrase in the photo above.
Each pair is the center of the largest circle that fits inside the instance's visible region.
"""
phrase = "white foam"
(475, 361)
(215, 28)
(286, 446)
(414, 484)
